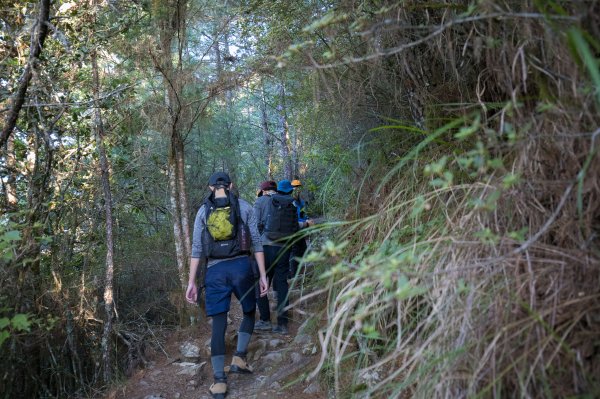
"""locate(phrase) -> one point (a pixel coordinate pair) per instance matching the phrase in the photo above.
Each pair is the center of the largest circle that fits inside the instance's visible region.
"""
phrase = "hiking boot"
(262, 325)
(218, 389)
(239, 365)
(280, 329)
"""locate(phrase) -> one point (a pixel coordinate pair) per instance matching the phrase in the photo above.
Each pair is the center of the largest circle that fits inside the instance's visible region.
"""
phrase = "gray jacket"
(247, 214)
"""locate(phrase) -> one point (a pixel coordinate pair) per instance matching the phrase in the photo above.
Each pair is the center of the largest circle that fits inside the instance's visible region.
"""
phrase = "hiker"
(299, 247)
(269, 185)
(277, 219)
(224, 231)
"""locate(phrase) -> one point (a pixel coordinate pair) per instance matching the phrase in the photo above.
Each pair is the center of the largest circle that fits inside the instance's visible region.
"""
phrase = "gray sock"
(218, 365)
(243, 341)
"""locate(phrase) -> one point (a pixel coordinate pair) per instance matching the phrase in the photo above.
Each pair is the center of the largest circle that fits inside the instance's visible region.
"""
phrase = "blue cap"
(285, 186)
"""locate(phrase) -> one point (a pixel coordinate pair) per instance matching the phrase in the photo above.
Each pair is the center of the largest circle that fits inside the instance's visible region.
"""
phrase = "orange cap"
(296, 183)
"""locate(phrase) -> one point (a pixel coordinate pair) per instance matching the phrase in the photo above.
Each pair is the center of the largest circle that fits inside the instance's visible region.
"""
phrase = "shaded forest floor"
(182, 369)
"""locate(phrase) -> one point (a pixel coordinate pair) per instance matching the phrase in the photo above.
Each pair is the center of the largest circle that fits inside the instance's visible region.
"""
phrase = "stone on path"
(188, 368)
(313, 388)
(296, 357)
(155, 373)
(261, 347)
(189, 350)
(206, 346)
(273, 357)
(260, 381)
(274, 343)
(192, 383)
(309, 349)
(302, 339)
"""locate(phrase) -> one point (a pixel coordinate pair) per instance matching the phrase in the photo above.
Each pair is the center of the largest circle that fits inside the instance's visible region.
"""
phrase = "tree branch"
(39, 31)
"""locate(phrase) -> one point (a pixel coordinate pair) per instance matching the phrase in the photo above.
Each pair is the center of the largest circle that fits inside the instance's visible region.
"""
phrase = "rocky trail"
(182, 369)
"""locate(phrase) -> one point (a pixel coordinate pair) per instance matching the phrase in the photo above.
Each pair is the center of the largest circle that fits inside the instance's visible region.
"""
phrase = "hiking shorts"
(227, 277)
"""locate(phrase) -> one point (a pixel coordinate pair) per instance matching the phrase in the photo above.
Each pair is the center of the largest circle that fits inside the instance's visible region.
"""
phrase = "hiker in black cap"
(224, 231)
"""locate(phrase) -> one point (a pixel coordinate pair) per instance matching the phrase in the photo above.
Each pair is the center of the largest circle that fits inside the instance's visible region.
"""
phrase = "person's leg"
(217, 355)
(243, 288)
(217, 345)
(217, 299)
(263, 302)
(245, 333)
(238, 362)
(298, 251)
(280, 278)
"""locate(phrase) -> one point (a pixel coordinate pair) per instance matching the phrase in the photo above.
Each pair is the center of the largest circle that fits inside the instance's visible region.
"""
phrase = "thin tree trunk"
(295, 156)
(38, 36)
(217, 48)
(268, 139)
(285, 135)
(177, 225)
(105, 180)
(184, 213)
(10, 187)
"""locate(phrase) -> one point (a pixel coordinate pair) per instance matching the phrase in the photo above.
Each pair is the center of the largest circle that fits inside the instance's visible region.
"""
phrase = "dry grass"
(479, 287)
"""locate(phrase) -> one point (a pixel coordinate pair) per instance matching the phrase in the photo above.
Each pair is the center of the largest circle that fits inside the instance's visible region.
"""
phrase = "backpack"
(282, 217)
(227, 234)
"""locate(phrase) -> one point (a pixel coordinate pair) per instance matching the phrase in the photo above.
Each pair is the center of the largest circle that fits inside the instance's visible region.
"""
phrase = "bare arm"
(252, 222)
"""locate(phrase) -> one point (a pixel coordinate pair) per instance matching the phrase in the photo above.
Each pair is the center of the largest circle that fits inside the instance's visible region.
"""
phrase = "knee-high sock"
(245, 333)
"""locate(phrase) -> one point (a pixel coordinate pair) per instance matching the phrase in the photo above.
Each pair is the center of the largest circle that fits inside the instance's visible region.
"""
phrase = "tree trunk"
(38, 36)
(181, 229)
(177, 228)
(105, 180)
(295, 155)
(10, 188)
(183, 202)
(285, 135)
(267, 136)
(171, 28)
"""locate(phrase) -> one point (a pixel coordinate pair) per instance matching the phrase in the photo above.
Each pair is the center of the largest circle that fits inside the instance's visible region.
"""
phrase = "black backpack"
(282, 217)
(236, 241)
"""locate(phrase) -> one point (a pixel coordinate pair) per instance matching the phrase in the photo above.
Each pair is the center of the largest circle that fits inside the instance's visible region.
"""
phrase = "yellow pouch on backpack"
(218, 224)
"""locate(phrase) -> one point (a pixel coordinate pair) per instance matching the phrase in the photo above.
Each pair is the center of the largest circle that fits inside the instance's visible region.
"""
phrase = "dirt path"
(279, 363)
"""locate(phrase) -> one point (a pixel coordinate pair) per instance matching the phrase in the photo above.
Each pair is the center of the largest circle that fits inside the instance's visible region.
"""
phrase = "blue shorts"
(227, 277)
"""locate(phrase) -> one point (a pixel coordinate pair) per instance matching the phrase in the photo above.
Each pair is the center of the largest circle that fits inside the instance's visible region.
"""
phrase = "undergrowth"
(472, 267)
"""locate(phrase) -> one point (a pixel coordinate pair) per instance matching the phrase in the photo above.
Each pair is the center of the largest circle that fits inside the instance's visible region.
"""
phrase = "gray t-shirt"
(247, 214)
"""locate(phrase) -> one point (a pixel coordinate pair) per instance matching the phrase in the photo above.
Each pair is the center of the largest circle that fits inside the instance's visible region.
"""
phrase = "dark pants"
(277, 260)
(227, 277)
(298, 251)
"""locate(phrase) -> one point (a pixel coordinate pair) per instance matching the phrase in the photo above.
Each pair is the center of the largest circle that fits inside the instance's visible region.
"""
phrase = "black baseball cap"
(219, 179)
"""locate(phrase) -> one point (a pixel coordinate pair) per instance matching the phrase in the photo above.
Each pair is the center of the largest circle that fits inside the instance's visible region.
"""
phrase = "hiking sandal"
(218, 390)
(240, 366)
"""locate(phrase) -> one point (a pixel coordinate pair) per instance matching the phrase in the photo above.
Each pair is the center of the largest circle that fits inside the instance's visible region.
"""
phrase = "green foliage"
(23, 323)
(8, 243)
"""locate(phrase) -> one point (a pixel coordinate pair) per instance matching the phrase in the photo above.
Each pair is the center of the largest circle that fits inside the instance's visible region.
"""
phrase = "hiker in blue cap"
(278, 216)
